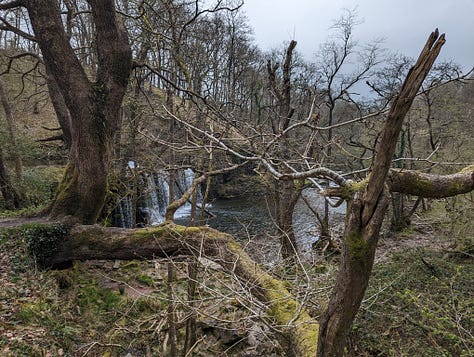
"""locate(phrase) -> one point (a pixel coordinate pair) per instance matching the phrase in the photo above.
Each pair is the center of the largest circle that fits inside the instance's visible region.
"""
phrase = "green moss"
(467, 169)
(64, 202)
(92, 297)
(455, 187)
(146, 279)
(286, 310)
(420, 309)
(131, 265)
(31, 312)
(352, 187)
(282, 307)
(422, 184)
(357, 247)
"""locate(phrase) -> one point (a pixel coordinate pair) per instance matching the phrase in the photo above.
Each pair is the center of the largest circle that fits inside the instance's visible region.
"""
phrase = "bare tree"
(366, 214)
(94, 108)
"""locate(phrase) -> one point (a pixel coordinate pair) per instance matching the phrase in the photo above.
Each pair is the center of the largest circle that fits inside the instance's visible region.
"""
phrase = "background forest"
(207, 117)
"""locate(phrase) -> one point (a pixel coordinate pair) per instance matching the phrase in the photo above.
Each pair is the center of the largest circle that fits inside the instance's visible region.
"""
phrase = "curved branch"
(173, 206)
(9, 27)
(12, 5)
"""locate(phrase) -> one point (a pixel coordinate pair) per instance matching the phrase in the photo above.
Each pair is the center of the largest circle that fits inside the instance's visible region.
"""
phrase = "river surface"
(250, 217)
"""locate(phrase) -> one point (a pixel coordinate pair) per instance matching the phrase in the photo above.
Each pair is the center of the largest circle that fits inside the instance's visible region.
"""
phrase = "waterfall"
(122, 214)
(153, 198)
(153, 201)
(126, 206)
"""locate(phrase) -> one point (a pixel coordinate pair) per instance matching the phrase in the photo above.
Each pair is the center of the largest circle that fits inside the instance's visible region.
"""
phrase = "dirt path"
(422, 235)
(19, 221)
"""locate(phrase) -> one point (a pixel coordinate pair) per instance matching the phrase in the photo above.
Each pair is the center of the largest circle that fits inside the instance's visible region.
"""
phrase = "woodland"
(116, 115)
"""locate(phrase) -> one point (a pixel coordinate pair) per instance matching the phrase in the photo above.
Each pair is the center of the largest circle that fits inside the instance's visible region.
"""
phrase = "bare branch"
(12, 5)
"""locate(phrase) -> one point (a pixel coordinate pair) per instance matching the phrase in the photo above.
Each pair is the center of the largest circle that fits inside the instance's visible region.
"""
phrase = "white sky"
(404, 24)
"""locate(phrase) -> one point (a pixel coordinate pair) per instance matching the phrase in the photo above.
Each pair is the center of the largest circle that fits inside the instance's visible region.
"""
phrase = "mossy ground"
(419, 300)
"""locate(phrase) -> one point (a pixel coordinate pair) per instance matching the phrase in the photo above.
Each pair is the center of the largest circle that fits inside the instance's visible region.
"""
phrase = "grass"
(418, 304)
(38, 184)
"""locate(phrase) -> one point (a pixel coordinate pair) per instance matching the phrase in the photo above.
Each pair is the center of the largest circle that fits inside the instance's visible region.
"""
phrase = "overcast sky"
(404, 24)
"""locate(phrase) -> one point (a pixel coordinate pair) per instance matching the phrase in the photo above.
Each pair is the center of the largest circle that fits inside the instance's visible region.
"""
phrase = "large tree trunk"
(366, 214)
(299, 330)
(285, 192)
(93, 106)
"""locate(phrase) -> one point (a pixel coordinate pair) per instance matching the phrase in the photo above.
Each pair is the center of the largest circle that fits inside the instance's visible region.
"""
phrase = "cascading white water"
(155, 210)
(127, 211)
(154, 198)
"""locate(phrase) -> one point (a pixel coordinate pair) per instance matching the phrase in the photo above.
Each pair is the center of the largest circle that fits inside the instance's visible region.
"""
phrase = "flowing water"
(251, 216)
(243, 217)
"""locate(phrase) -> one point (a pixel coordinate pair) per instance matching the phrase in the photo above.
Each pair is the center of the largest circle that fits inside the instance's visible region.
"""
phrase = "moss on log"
(431, 186)
(415, 183)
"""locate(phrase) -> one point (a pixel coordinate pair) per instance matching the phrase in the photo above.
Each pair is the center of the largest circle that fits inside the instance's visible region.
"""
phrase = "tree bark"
(11, 196)
(430, 185)
(286, 196)
(93, 106)
(81, 242)
(12, 131)
(60, 107)
(366, 213)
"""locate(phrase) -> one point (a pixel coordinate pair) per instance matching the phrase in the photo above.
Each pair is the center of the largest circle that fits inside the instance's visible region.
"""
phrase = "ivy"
(43, 240)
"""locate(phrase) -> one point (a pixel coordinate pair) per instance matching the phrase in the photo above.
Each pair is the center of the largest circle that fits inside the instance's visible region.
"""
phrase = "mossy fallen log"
(55, 245)
(431, 186)
(415, 183)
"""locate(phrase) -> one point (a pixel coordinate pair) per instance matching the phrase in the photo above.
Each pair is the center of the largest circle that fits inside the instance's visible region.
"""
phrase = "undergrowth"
(107, 308)
(418, 304)
(38, 185)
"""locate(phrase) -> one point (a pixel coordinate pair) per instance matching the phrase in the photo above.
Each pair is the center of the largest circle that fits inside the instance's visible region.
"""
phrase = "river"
(250, 218)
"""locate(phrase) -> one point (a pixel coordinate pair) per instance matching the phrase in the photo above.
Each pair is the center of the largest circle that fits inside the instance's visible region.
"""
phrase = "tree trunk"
(93, 106)
(12, 131)
(366, 212)
(190, 337)
(285, 193)
(60, 108)
(286, 196)
(415, 183)
(360, 242)
(400, 218)
(11, 196)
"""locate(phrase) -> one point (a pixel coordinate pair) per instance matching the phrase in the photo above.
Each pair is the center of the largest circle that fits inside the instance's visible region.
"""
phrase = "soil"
(20, 221)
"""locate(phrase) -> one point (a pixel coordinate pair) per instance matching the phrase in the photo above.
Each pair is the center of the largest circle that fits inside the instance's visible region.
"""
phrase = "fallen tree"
(415, 183)
(56, 245)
